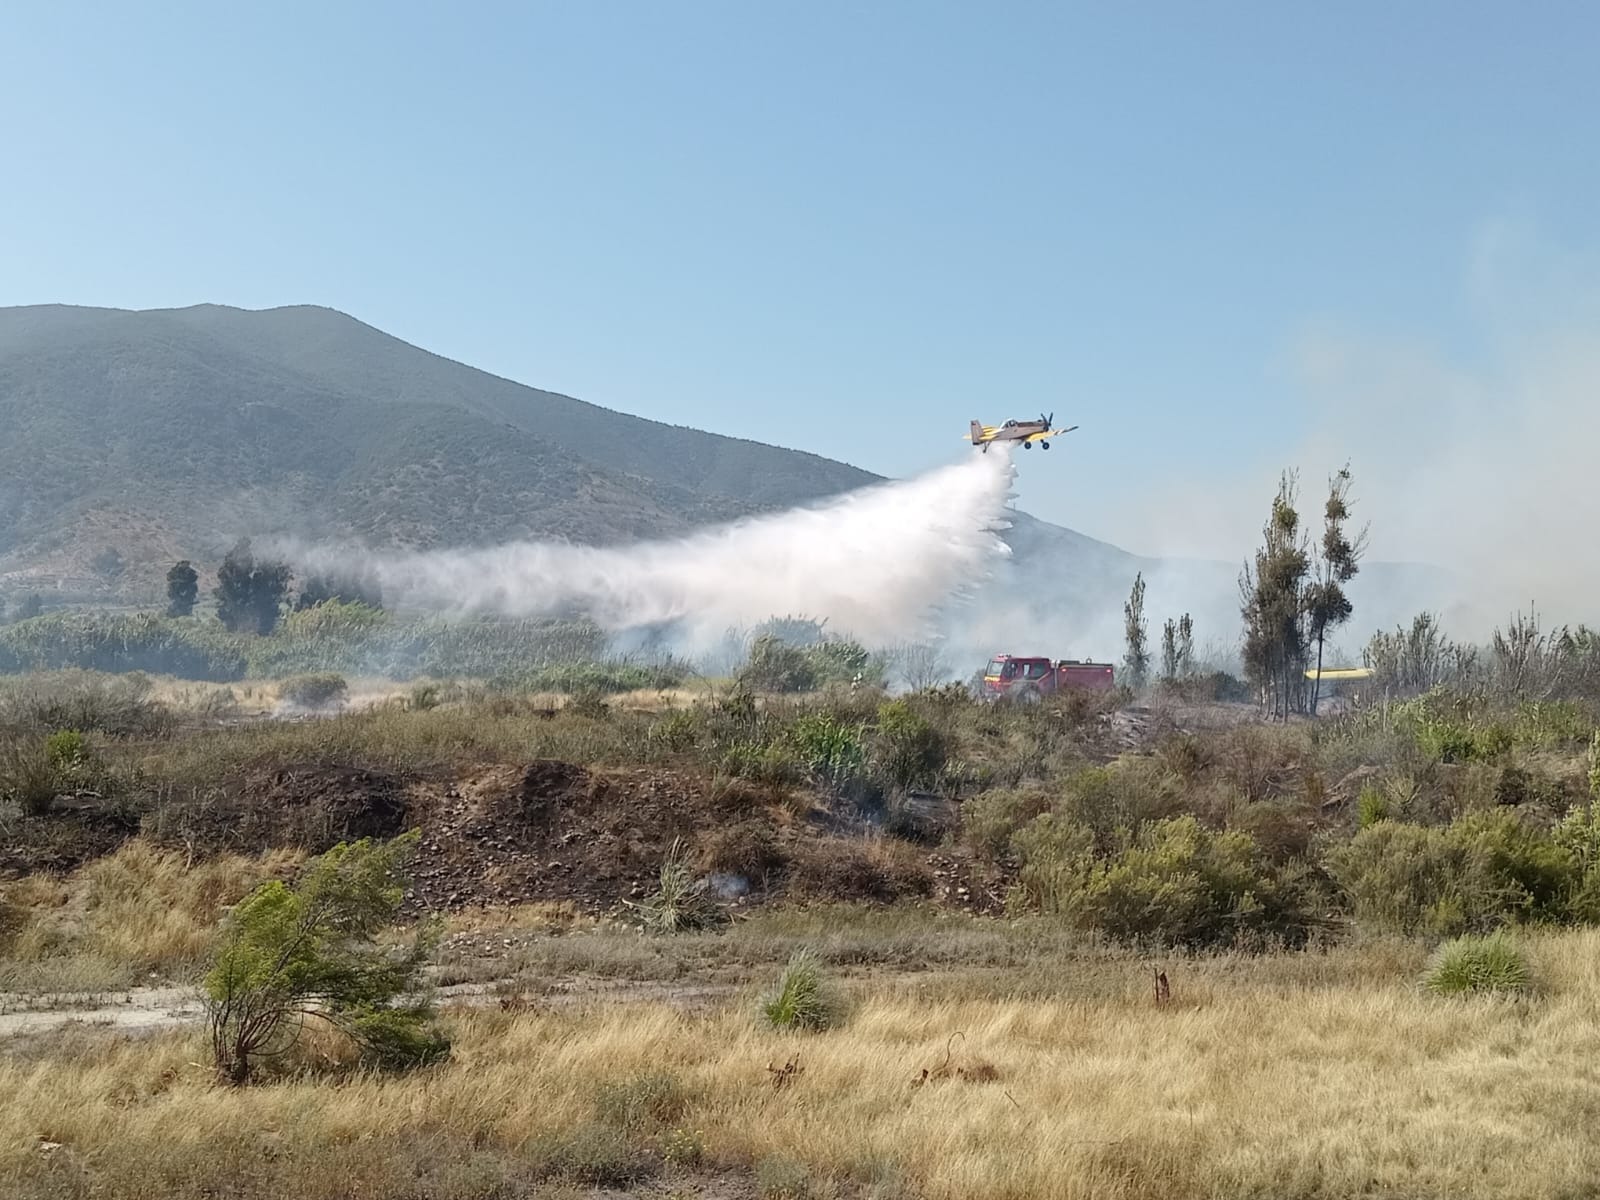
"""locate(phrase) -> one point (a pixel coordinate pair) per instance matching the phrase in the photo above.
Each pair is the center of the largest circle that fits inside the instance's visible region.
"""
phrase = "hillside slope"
(164, 433)
(135, 438)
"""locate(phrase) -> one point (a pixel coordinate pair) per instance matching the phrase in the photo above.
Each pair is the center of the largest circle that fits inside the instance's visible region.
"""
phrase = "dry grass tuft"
(139, 912)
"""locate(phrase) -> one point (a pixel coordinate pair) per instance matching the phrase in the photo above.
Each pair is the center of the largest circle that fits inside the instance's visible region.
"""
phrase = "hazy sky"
(850, 228)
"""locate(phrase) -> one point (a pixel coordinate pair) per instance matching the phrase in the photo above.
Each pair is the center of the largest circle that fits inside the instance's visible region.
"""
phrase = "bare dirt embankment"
(546, 830)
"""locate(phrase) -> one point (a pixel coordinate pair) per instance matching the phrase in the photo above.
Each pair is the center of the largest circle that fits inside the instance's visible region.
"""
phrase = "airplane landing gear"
(1044, 445)
(1027, 445)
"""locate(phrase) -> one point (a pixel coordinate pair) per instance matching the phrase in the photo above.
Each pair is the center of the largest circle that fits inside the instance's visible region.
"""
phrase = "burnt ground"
(543, 831)
(555, 831)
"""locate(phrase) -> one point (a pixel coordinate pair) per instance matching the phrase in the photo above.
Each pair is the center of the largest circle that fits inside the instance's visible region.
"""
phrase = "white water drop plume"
(879, 563)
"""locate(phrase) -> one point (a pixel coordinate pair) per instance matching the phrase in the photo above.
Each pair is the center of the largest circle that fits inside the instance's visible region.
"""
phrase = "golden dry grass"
(141, 911)
(1238, 1088)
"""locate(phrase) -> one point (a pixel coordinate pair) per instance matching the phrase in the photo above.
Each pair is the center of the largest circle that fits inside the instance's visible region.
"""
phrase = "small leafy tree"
(310, 952)
(775, 666)
(30, 607)
(183, 589)
(1136, 662)
(250, 594)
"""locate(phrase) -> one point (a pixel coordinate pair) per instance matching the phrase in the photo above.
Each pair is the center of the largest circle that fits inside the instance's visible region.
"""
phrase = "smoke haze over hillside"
(879, 563)
(1473, 456)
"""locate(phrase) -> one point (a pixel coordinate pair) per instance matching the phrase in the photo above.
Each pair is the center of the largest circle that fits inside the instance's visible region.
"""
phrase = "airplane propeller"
(1047, 421)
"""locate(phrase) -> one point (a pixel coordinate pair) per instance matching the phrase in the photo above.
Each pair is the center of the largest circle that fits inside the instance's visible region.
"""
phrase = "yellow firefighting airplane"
(1026, 432)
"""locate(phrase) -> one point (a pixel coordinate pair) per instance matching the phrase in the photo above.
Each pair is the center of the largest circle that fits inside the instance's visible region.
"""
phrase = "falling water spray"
(880, 563)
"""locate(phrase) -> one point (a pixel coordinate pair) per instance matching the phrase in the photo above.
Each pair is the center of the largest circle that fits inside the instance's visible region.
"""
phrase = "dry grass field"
(1296, 1075)
(998, 1033)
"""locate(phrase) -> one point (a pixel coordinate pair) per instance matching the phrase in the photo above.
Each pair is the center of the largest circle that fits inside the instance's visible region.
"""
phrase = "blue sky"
(845, 228)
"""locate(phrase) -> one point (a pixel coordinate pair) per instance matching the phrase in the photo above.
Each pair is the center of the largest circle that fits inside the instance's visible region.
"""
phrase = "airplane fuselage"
(1025, 432)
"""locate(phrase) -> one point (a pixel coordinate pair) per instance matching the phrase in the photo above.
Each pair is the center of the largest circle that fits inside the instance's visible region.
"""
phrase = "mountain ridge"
(175, 429)
(144, 435)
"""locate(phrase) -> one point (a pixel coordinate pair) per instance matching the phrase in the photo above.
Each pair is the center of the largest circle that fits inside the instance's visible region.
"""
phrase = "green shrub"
(1180, 884)
(1472, 964)
(590, 703)
(678, 730)
(1372, 806)
(28, 776)
(681, 902)
(183, 647)
(288, 950)
(643, 1103)
(803, 998)
(683, 1148)
(831, 749)
(115, 705)
(1175, 883)
(1453, 727)
(773, 763)
(1537, 872)
(605, 677)
(907, 751)
(67, 751)
(529, 655)
(318, 691)
(779, 1178)
(1059, 868)
(1116, 801)
(991, 819)
(1471, 876)
(396, 1038)
(839, 660)
(774, 666)
(593, 1155)
(1542, 723)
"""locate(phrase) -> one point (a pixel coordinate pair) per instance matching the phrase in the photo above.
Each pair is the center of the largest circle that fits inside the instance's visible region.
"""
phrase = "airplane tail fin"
(977, 432)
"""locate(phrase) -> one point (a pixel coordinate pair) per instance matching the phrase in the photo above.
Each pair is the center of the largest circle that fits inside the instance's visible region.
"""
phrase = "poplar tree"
(1136, 662)
(1272, 596)
(1338, 560)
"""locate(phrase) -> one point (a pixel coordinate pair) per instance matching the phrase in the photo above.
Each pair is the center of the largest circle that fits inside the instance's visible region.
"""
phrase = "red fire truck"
(1017, 678)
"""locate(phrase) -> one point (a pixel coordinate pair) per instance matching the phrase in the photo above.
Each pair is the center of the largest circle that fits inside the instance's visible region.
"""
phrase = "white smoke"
(879, 564)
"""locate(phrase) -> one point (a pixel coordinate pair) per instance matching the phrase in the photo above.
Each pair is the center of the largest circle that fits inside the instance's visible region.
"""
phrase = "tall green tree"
(1272, 596)
(183, 589)
(1136, 658)
(1177, 646)
(1337, 561)
(250, 594)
